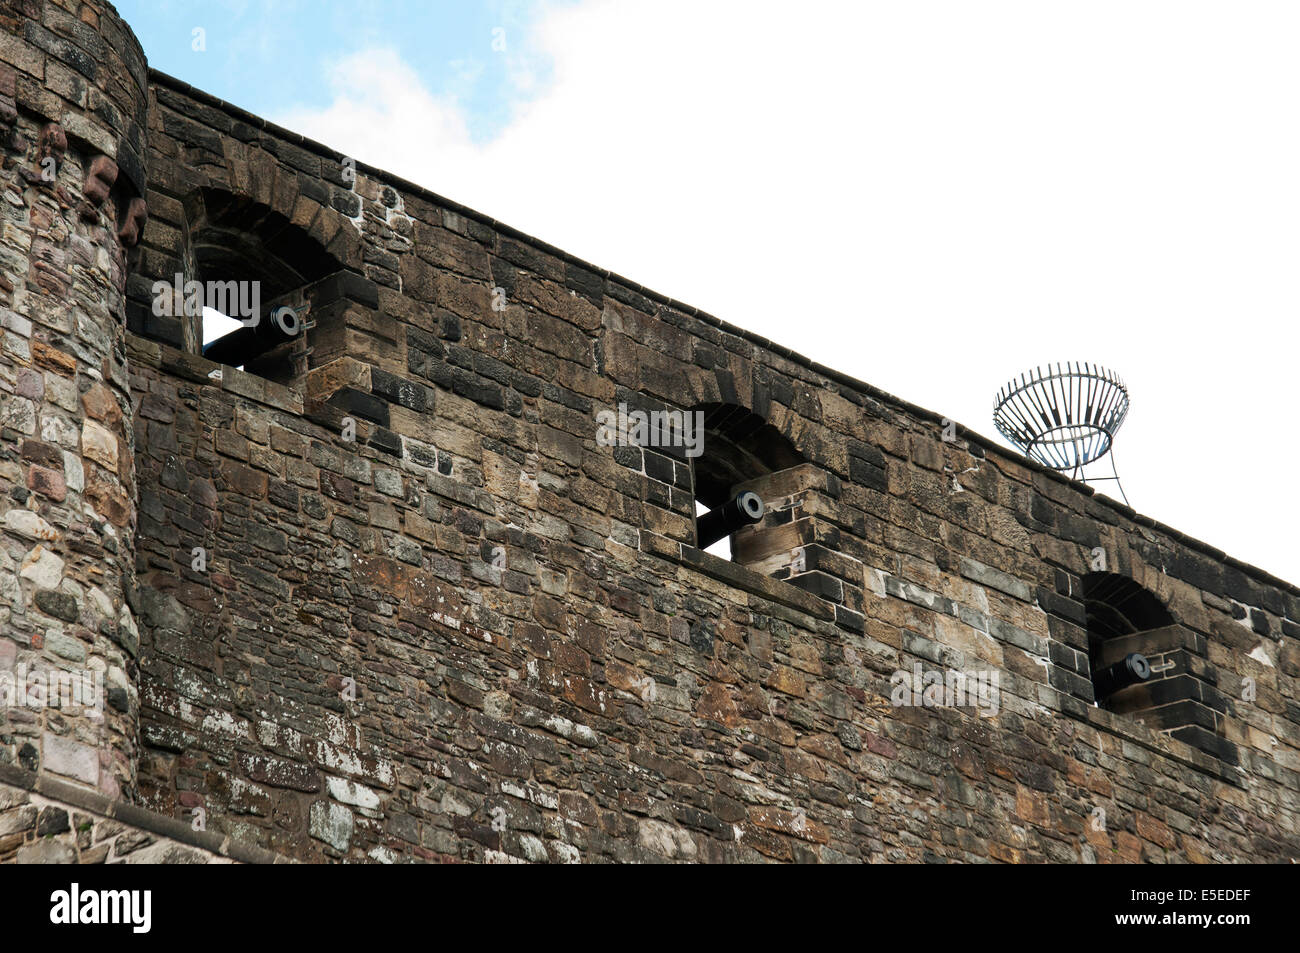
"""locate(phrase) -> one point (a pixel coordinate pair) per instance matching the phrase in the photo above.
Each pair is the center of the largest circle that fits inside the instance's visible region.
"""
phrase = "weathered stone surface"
(280, 773)
(137, 213)
(27, 524)
(43, 567)
(349, 792)
(332, 823)
(99, 445)
(67, 551)
(46, 852)
(386, 595)
(100, 176)
(47, 483)
(72, 759)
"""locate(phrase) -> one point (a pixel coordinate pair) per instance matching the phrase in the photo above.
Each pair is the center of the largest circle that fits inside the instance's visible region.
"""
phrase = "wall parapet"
(616, 282)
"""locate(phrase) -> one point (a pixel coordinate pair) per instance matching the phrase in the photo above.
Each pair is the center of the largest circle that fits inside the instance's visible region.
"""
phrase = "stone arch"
(253, 178)
(743, 451)
(1117, 606)
(1127, 626)
(252, 173)
(739, 447)
(1148, 666)
(251, 263)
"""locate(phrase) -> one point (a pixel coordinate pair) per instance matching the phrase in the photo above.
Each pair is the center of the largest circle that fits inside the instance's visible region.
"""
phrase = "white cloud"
(931, 196)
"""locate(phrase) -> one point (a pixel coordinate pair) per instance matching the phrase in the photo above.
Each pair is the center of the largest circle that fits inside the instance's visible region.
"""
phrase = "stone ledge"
(200, 370)
(756, 584)
(136, 817)
(1162, 745)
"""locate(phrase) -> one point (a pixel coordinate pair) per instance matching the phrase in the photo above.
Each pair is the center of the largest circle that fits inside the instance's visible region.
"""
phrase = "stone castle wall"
(397, 600)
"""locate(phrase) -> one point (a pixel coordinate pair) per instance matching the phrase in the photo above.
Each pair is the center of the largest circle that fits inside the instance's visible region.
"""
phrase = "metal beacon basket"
(1065, 418)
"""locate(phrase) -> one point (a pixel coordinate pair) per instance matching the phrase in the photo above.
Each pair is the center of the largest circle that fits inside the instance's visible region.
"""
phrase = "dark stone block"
(313, 188)
(144, 322)
(386, 441)
(702, 637)
(283, 495)
(478, 389)
(865, 474)
(51, 821)
(1066, 681)
(63, 50)
(567, 397)
(397, 390)
(526, 384)
(191, 133)
(1054, 604)
(130, 166)
(633, 299)
(865, 451)
(658, 494)
(853, 621)
(58, 604)
(1065, 656)
(1197, 571)
(1208, 742)
(418, 340)
(708, 357)
(504, 274)
(1043, 510)
(629, 457)
(683, 476)
(492, 369)
(422, 456)
(819, 584)
(354, 402)
(659, 467)
(1179, 714)
(531, 259)
(586, 283)
(439, 372)
(1078, 529)
(346, 202)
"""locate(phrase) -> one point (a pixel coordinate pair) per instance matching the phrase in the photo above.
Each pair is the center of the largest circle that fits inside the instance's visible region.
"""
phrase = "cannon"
(267, 332)
(744, 509)
(1130, 670)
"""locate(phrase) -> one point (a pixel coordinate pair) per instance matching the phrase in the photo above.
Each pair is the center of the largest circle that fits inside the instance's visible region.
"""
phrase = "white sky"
(931, 197)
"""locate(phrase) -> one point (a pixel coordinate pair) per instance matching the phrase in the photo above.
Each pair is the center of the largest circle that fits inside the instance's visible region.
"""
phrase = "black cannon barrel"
(744, 509)
(1129, 670)
(246, 343)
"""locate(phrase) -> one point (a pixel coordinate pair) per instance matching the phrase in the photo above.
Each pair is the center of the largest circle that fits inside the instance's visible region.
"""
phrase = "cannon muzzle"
(745, 509)
(1129, 670)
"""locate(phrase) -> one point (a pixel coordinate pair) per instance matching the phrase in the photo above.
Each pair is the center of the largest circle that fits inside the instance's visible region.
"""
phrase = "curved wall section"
(73, 88)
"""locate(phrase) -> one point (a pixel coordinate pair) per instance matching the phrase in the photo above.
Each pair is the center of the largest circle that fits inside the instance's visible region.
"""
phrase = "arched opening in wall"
(1118, 606)
(1148, 666)
(255, 272)
(738, 448)
(1129, 632)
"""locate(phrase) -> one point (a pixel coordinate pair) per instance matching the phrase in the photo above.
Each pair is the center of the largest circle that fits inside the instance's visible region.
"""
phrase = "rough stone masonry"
(383, 595)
